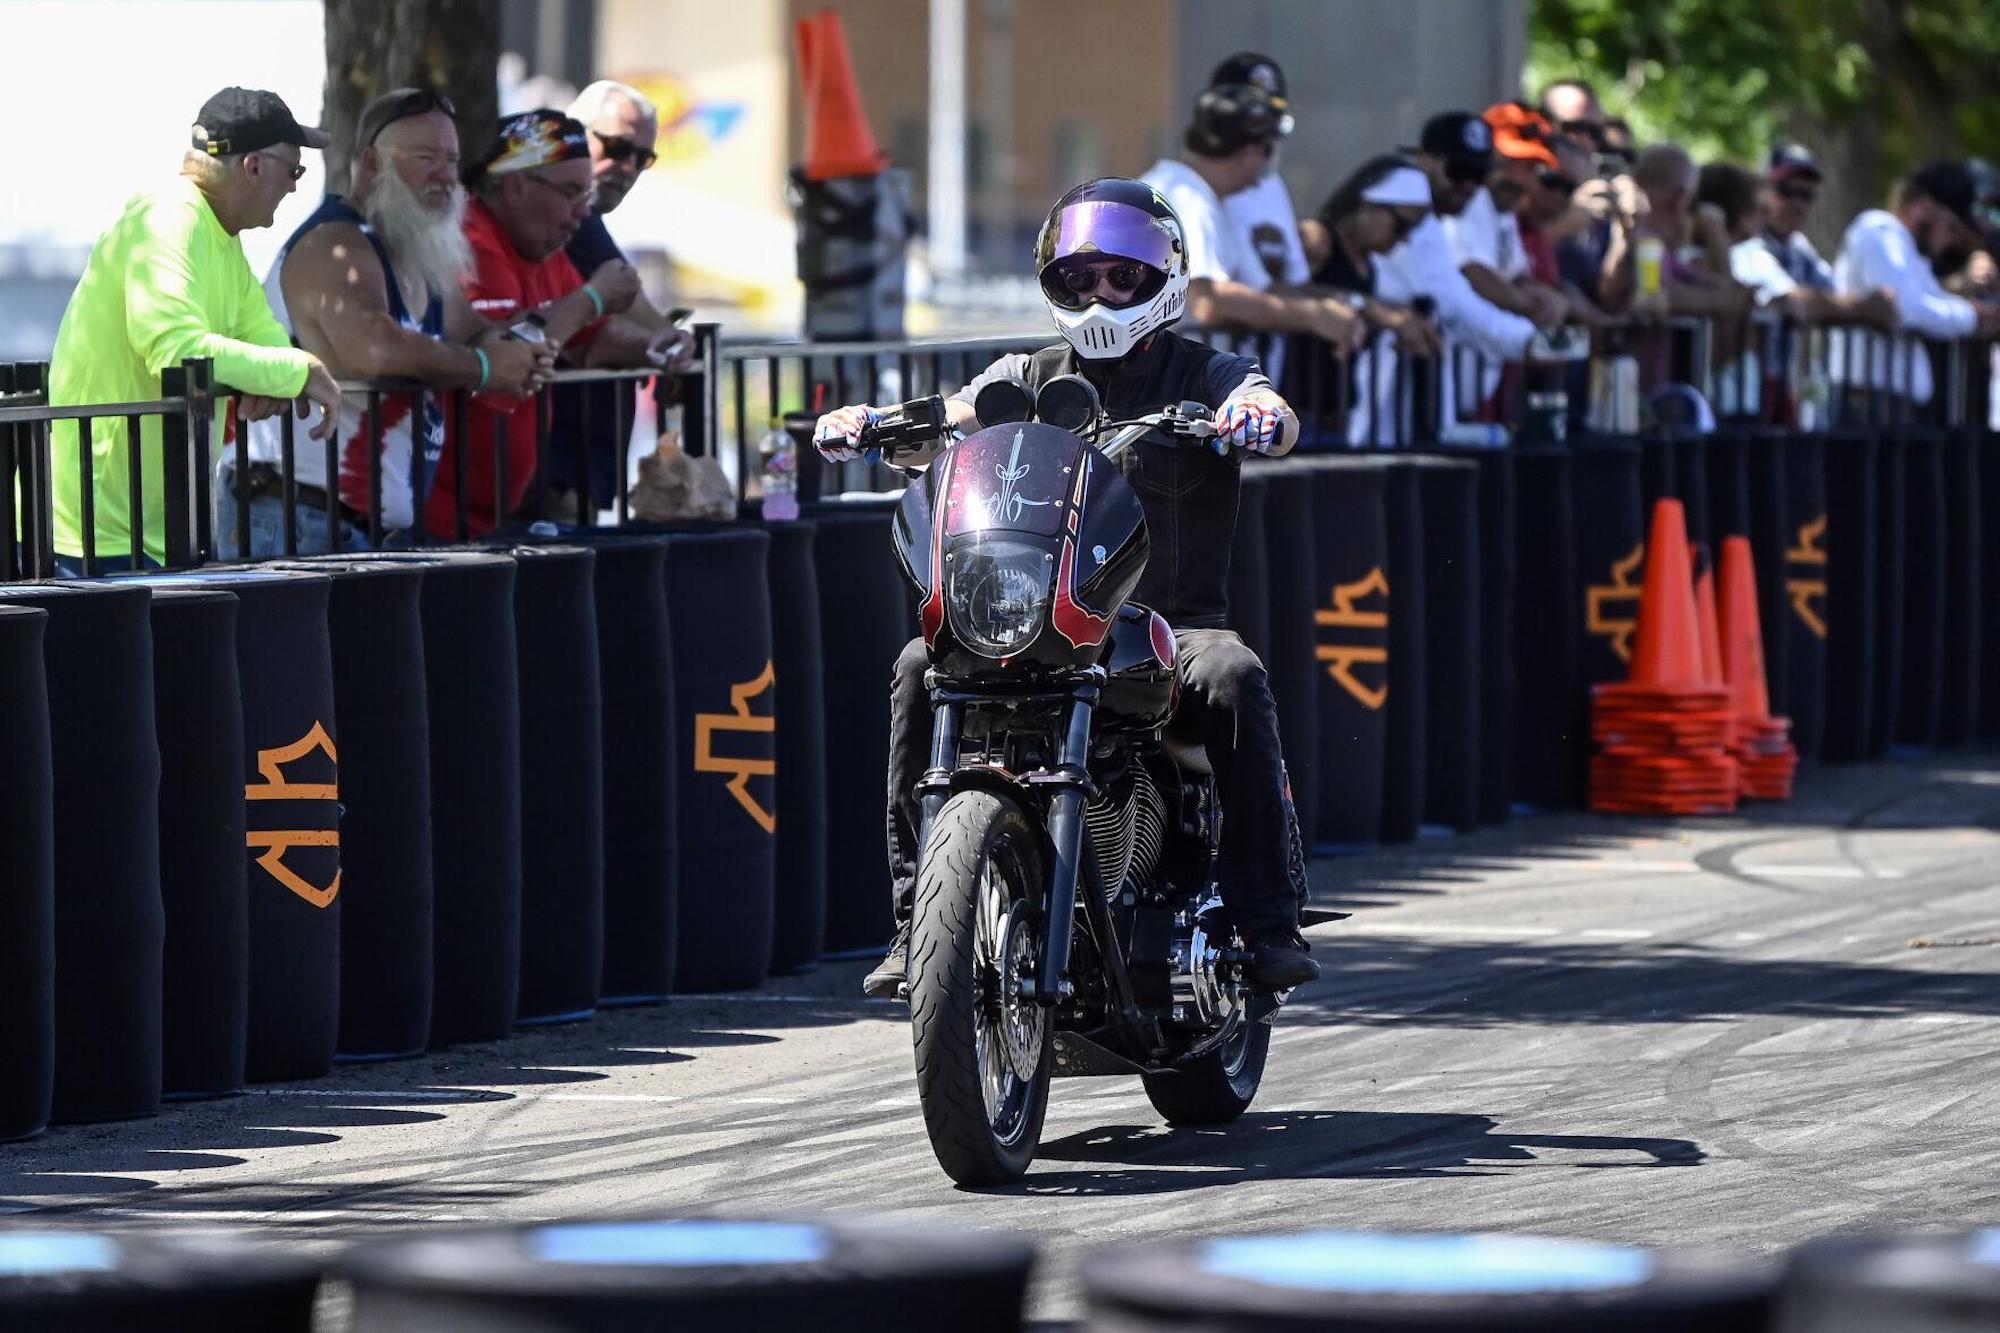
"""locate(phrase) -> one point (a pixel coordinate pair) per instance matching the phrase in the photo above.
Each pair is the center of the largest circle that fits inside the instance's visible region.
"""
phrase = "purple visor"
(1099, 229)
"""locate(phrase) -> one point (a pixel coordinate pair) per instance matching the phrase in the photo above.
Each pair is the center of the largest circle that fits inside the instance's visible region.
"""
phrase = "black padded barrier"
(1892, 533)
(562, 783)
(865, 619)
(1851, 538)
(1657, 476)
(718, 597)
(472, 677)
(1352, 589)
(1611, 530)
(27, 878)
(291, 782)
(799, 905)
(1728, 487)
(387, 897)
(1497, 578)
(1453, 656)
(1987, 449)
(641, 825)
(110, 924)
(1293, 667)
(1549, 748)
(1801, 604)
(1965, 595)
(1767, 505)
(1250, 566)
(1691, 487)
(1404, 734)
(198, 699)
(1926, 590)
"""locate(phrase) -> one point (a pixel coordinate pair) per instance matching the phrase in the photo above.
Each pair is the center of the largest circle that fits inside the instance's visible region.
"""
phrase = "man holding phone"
(622, 128)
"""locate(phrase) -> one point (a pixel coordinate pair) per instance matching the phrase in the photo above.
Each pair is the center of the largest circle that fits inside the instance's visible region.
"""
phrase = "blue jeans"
(267, 530)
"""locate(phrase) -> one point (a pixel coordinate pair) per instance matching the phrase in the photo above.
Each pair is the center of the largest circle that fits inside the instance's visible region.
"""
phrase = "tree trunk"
(375, 45)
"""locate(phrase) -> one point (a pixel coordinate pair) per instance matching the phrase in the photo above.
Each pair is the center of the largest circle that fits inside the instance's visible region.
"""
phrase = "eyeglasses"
(1582, 129)
(1555, 180)
(297, 169)
(1402, 221)
(617, 148)
(1467, 173)
(1799, 194)
(571, 195)
(1123, 279)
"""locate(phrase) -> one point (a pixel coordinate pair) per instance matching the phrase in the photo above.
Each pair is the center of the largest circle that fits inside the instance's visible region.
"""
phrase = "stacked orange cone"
(1765, 756)
(1665, 733)
(838, 140)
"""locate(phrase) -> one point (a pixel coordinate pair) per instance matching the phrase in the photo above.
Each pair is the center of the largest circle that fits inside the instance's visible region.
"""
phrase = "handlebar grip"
(906, 426)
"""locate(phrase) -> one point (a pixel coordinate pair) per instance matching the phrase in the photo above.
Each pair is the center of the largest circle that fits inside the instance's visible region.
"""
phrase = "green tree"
(1875, 85)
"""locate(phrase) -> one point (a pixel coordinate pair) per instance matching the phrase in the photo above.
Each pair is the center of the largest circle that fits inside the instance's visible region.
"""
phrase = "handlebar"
(906, 427)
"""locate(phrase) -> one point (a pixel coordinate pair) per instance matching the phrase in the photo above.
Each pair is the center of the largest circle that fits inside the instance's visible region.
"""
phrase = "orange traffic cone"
(1664, 734)
(1764, 751)
(838, 140)
(1668, 650)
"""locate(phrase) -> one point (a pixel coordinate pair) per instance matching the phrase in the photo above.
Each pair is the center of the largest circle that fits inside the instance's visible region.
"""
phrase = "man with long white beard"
(370, 284)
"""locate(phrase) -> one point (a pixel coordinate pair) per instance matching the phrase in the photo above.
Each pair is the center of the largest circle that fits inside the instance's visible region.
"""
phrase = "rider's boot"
(1280, 959)
(886, 981)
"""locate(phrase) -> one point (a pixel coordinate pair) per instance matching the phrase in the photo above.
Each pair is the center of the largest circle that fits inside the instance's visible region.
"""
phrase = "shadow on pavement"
(1326, 1145)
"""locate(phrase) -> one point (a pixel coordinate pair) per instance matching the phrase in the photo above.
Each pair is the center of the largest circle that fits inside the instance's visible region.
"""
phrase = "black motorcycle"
(1068, 919)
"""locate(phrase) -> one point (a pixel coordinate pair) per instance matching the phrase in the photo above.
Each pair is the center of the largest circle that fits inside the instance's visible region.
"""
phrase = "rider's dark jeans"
(1226, 701)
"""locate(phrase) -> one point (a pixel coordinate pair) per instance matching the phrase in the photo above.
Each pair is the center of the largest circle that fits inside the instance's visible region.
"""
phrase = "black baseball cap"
(1952, 185)
(1231, 115)
(1793, 159)
(1257, 70)
(1462, 138)
(398, 104)
(244, 120)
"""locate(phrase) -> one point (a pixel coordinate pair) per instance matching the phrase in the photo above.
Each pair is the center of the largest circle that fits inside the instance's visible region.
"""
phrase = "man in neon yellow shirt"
(168, 282)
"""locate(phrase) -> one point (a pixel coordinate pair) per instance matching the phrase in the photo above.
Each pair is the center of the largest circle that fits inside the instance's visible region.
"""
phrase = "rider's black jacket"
(1189, 493)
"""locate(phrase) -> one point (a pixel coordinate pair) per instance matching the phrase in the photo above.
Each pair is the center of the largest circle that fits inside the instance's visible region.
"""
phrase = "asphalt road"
(1742, 1031)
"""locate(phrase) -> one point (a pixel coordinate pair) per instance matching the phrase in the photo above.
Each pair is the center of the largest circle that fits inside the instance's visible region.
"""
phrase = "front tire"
(982, 1053)
(1217, 1087)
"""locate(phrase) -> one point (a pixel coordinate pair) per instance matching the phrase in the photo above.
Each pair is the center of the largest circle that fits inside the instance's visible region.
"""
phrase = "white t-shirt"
(1482, 234)
(1269, 226)
(1878, 251)
(1217, 248)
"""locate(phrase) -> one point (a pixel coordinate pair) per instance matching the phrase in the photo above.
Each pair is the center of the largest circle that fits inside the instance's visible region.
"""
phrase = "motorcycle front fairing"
(1022, 542)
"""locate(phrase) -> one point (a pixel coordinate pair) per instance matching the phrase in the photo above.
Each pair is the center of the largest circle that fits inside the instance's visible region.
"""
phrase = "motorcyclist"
(1113, 264)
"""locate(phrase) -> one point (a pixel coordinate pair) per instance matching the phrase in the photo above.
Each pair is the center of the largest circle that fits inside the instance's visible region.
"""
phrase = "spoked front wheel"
(982, 1051)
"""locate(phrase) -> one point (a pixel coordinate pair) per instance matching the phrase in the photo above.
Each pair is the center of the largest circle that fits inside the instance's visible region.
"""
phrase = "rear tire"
(978, 897)
(1215, 1088)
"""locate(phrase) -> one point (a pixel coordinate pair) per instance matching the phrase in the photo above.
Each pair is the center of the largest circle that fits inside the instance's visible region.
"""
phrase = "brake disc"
(1019, 1021)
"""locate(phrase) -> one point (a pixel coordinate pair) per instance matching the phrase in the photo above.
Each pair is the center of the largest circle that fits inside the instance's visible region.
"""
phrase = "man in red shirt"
(531, 191)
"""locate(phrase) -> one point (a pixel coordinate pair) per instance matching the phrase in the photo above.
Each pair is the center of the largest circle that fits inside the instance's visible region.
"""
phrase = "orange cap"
(1520, 131)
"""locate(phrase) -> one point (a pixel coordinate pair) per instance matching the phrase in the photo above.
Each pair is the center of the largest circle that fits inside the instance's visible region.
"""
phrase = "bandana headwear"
(1405, 187)
(534, 139)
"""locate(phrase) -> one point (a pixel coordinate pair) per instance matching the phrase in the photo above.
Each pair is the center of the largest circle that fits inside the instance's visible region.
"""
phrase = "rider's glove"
(837, 436)
(1254, 422)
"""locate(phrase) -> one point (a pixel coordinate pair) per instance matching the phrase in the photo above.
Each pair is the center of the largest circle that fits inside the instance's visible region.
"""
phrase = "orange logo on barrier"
(271, 765)
(1341, 659)
(1810, 551)
(739, 718)
(1620, 591)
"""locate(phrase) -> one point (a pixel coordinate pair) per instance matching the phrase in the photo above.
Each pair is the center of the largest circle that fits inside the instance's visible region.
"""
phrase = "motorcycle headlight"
(997, 594)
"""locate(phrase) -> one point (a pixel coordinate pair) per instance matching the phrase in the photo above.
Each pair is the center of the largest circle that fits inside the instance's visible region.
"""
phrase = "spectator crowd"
(1445, 286)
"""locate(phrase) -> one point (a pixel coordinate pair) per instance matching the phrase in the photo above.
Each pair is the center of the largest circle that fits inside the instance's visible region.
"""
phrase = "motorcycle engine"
(1127, 826)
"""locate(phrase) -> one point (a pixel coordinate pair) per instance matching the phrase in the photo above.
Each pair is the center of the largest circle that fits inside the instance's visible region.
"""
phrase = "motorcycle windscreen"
(1013, 478)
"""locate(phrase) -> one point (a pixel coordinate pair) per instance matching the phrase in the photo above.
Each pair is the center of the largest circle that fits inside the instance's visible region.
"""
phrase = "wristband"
(595, 300)
(485, 367)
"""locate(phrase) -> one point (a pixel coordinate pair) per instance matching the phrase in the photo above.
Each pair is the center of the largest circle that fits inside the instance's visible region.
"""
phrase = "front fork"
(1069, 780)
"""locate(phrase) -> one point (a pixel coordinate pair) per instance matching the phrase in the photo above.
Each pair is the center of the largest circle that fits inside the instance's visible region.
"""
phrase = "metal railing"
(1777, 374)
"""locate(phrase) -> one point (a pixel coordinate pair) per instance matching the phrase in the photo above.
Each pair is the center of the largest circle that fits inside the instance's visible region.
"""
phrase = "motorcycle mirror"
(1003, 400)
(1067, 401)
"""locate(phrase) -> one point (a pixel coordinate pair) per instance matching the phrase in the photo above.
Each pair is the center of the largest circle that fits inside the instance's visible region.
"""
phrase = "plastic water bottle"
(781, 474)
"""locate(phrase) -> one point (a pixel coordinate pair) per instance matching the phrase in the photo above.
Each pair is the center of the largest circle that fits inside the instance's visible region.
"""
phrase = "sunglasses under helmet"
(1112, 219)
